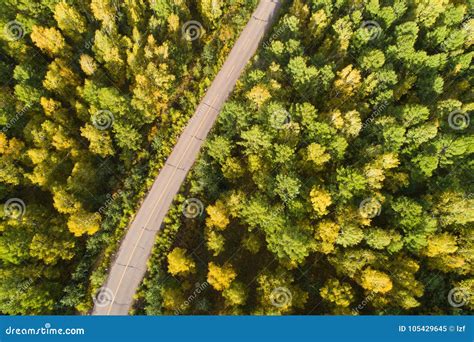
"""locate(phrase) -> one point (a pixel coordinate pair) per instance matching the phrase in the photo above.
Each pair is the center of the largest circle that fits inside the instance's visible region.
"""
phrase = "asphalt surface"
(129, 266)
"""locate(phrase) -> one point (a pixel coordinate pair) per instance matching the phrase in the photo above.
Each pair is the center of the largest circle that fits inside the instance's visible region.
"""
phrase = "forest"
(339, 176)
(337, 180)
(94, 94)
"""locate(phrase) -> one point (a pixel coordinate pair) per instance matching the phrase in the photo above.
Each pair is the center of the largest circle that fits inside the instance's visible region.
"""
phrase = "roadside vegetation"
(94, 94)
(339, 177)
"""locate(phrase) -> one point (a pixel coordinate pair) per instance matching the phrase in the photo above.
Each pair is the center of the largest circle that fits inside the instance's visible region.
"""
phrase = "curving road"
(129, 267)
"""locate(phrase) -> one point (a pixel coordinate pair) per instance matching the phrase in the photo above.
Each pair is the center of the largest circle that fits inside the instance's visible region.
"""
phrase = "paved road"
(129, 267)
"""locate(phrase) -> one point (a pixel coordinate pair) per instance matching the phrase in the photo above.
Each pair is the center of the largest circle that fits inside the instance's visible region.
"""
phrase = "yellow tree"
(326, 234)
(49, 40)
(215, 242)
(211, 10)
(340, 294)
(317, 154)
(321, 200)
(10, 151)
(65, 202)
(318, 23)
(352, 123)
(100, 141)
(375, 281)
(88, 64)
(49, 250)
(173, 298)
(235, 294)
(104, 10)
(220, 277)
(344, 32)
(60, 78)
(428, 11)
(348, 80)
(179, 263)
(83, 222)
(69, 20)
(217, 216)
(441, 244)
(259, 94)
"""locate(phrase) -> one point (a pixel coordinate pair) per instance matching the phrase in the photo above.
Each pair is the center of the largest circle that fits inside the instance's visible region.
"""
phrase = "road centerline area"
(129, 266)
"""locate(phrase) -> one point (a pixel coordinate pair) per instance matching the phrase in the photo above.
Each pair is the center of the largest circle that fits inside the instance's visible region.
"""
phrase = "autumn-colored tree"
(376, 281)
(179, 263)
(217, 216)
(220, 277)
(48, 40)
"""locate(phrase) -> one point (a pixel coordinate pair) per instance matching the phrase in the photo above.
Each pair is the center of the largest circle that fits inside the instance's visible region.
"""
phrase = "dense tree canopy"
(93, 95)
(339, 177)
